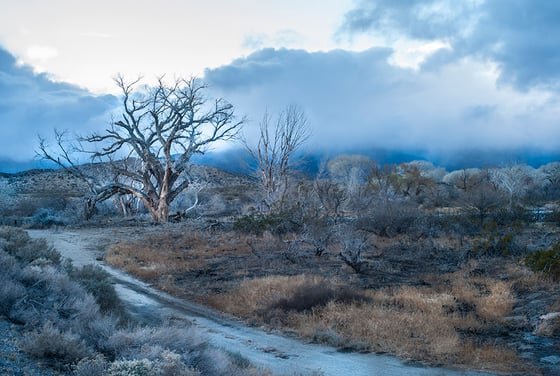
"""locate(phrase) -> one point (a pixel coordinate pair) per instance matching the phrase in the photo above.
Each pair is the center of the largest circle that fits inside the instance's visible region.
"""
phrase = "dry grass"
(420, 323)
(451, 319)
(162, 255)
(252, 295)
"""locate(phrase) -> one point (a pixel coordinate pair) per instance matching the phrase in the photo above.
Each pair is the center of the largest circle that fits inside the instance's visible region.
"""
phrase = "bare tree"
(275, 150)
(94, 176)
(159, 131)
(514, 180)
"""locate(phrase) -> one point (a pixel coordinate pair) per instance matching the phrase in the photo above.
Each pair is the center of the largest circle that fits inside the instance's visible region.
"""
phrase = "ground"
(493, 306)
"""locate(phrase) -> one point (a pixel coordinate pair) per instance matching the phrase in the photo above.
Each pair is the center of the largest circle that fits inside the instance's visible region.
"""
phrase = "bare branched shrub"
(389, 218)
(354, 243)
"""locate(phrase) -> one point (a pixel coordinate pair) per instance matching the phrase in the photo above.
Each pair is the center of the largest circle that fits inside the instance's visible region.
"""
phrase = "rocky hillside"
(30, 193)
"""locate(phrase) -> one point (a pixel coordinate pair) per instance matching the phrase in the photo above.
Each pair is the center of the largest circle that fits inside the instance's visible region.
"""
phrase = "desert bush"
(546, 261)
(10, 292)
(353, 244)
(141, 367)
(11, 269)
(18, 243)
(125, 343)
(171, 364)
(257, 224)
(94, 366)
(49, 342)
(97, 282)
(46, 217)
(161, 347)
(389, 218)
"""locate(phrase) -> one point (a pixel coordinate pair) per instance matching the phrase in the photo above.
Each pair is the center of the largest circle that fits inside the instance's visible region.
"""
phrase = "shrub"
(497, 241)
(95, 366)
(46, 218)
(51, 343)
(18, 243)
(309, 296)
(126, 343)
(97, 282)
(388, 219)
(171, 364)
(10, 293)
(142, 367)
(546, 261)
(257, 224)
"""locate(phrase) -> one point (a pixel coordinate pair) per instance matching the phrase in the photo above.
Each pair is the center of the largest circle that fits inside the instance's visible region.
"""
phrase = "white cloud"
(41, 53)
(411, 54)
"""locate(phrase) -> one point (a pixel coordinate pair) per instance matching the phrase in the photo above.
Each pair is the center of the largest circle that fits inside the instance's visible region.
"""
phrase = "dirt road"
(279, 354)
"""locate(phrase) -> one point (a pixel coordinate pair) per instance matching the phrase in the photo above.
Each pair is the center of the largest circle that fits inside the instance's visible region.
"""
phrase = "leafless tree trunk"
(159, 131)
(274, 153)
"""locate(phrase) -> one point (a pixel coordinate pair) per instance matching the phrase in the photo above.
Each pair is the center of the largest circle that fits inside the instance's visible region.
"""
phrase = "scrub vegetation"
(452, 268)
(72, 321)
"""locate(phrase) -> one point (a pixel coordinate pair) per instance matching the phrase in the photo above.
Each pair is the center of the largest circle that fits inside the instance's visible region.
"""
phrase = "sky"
(437, 76)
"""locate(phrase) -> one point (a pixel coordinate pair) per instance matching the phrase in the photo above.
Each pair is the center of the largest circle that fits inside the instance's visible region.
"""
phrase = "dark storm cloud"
(32, 104)
(521, 36)
(358, 99)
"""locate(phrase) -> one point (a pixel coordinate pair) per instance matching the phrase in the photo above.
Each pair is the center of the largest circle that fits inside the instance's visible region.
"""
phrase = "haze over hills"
(237, 160)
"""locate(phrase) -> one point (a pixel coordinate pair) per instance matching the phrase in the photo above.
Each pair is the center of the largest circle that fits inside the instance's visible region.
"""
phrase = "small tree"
(274, 152)
(159, 131)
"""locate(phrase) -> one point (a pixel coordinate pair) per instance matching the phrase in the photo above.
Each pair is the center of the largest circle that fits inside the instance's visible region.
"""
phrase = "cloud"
(285, 38)
(41, 53)
(359, 100)
(520, 36)
(32, 104)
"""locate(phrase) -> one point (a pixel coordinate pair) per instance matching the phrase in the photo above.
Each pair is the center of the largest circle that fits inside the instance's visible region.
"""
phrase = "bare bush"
(389, 218)
(353, 244)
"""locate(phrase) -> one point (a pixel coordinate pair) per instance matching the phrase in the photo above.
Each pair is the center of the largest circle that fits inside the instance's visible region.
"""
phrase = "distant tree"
(550, 180)
(413, 180)
(482, 199)
(515, 181)
(352, 170)
(464, 179)
(150, 146)
(279, 139)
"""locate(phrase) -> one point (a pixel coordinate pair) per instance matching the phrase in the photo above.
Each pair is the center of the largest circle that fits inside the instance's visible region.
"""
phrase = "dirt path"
(280, 354)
